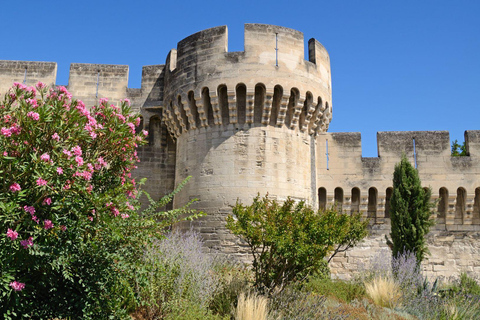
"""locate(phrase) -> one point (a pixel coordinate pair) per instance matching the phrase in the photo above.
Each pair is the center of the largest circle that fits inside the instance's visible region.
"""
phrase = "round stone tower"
(245, 122)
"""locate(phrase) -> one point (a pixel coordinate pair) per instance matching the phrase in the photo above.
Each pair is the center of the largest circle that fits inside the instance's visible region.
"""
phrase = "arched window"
(476, 207)
(355, 200)
(372, 203)
(208, 106)
(338, 197)
(241, 92)
(322, 198)
(277, 99)
(155, 132)
(259, 103)
(460, 206)
(442, 207)
(223, 101)
(388, 198)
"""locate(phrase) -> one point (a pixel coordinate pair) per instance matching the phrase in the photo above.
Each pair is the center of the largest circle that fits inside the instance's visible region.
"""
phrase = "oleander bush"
(72, 239)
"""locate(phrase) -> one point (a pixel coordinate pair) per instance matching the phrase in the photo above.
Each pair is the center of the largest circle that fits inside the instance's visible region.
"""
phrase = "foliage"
(344, 291)
(179, 271)
(289, 241)
(251, 307)
(73, 241)
(410, 210)
(459, 149)
(384, 292)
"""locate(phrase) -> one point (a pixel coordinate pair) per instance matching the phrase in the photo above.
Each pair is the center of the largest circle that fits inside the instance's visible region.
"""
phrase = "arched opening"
(355, 200)
(139, 128)
(306, 106)
(208, 106)
(338, 197)
(183, 114)
(193, 108)
(388, 198)
(155, 132)
(223, 101)
(476, 207)
(442, 206)
(322, 198)
(259, 103)
(292, 103)
(277, 99)
(241, 92)
(372, 203)
(460, 205)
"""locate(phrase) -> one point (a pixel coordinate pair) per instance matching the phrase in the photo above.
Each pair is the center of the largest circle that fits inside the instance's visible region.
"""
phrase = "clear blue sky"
(396, 65)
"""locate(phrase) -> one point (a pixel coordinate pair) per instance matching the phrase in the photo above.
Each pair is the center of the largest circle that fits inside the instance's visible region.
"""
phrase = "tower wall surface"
(255, 122)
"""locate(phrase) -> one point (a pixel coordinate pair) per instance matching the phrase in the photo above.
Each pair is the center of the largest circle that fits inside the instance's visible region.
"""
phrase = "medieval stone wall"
(256, 121)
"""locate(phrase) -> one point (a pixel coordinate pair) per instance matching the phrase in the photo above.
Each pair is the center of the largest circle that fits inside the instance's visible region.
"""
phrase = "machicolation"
(256, 121)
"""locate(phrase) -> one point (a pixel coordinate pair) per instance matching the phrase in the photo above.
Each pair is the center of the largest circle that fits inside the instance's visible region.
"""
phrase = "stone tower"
(245, 122)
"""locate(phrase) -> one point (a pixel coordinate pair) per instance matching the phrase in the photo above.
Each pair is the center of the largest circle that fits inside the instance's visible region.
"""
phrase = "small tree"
(458, 149)
(289, 241)
(410, 209)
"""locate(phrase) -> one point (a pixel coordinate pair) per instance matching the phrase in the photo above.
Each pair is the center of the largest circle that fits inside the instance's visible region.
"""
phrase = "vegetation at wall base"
(410, 211)
(289, 241)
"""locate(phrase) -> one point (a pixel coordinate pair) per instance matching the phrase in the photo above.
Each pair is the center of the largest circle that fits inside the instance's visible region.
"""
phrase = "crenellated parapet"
(365, 184)
(269, 83)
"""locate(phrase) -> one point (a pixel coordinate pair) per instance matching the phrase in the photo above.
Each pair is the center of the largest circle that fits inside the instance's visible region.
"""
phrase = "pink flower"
(59, 170)
(115, 211)
(40, 85)
(77, 150)
(56, 137)
(79, 160)
(45, 157)
(137, 121)
(17, 286)
(63, 228)
(15, 187)
(41, 182)
(32, 102)
(19, 85)
(129, 206)
(27, 243)
(47, 224)
(68, 153)
(102, 162)
(35, 116)
(132, 127)
(90, 218)
(12, 234)
(125, 216)
(47, 201)
(145, 132)
(103, 100)
(6, 132)
(5, 153)
(29, 209)
(127, 101)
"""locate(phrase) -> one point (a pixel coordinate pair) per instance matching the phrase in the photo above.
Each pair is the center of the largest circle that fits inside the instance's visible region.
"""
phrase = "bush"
(290, 241)
(384, 292)
(73, 242)
(251, 307)
(344, 291)
(180, 275)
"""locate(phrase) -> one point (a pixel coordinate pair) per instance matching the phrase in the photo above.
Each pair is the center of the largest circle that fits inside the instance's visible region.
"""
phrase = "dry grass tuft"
(251, 307)
(384, 292)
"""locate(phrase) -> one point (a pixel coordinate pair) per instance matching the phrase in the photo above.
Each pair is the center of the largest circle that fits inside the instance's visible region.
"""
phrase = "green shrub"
(289, 241)
(345, 291)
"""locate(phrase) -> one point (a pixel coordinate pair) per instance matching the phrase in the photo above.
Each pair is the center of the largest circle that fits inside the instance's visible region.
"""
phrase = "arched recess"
(139, 128)
(277, 99)
(338, 197)
(355, 200)
(306, 106)
(292, 103)
(155, 132)
(322, 198)
(476, 207)
(183, 114)
(460, 205)
(241, 92)
(388, 198)
(442, 206)
(259, 103)
(208, 106)
(372, 203)
(193, 108)
(223, 101)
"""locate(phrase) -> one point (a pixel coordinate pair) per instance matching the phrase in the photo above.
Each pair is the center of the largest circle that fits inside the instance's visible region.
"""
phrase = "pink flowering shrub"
(69, 230)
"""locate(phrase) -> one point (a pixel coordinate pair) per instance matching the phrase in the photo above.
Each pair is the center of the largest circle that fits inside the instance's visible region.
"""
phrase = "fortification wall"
(364, 185)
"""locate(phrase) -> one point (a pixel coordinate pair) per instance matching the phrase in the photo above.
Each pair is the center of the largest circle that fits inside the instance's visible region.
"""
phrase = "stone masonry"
(243, 123)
